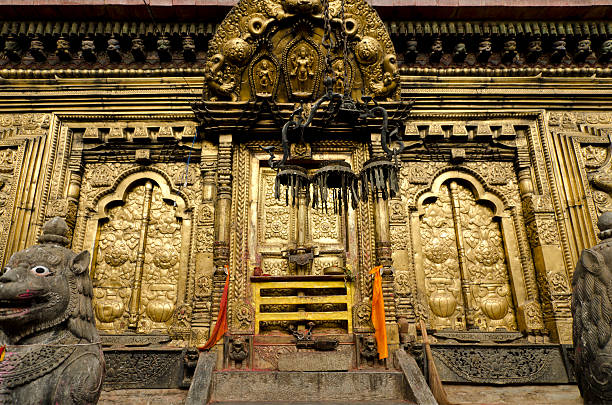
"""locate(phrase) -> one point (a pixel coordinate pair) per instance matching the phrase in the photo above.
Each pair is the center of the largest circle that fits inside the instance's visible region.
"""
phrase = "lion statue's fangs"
(53, 352)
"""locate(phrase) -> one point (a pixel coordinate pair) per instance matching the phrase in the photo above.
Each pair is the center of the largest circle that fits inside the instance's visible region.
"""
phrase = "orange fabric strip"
(221, 325)
(378, 314)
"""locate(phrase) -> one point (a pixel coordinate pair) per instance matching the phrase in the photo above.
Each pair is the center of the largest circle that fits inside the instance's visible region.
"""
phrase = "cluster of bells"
(335, 179)
(379, 175)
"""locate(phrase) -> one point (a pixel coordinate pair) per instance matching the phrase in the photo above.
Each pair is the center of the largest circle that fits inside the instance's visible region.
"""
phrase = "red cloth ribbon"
(221, 325)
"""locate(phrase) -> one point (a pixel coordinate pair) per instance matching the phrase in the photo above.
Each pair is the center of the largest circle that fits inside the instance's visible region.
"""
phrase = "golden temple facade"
(150, 139)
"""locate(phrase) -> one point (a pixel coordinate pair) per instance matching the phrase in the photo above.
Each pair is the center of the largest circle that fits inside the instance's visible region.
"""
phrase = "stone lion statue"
(592, 312)
(52, 348)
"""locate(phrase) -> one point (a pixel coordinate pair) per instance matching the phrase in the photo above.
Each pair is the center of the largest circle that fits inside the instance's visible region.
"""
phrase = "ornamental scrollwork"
(243, 317)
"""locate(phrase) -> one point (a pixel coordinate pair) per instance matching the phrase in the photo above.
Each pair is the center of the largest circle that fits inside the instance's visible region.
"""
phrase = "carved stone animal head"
(46, 285)
(238, 349)
(238, 345)
(592, 319)
(368, 347)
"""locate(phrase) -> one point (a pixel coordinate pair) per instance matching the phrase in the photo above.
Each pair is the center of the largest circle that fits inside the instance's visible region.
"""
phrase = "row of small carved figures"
(122, 48)
(506, 50)
(115, 48)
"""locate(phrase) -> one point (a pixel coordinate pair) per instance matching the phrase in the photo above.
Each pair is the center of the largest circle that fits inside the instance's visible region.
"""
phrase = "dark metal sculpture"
(52, 348)
(336, 179)
(592, 313)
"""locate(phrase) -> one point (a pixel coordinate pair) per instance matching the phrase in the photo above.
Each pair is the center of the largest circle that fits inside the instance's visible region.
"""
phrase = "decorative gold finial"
(54, 231)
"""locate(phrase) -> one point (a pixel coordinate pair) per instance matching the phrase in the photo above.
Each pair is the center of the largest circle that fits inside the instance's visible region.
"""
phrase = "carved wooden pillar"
(384, 258)
(221, 250)
(202, 304)
(530, 314)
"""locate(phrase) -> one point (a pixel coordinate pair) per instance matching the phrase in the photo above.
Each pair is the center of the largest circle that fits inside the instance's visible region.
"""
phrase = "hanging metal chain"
(345, 56)
(326, 42)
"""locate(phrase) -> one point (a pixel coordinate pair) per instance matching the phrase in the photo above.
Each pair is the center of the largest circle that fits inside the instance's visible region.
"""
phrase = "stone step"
(282, 387)
(363, 387)
(312, 403)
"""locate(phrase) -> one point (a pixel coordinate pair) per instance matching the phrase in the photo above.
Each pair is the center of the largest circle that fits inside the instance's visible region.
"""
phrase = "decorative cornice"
(43, 49)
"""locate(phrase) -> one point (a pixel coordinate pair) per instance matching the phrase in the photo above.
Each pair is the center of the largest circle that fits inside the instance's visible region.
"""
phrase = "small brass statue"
(592, 313)
(52, 348)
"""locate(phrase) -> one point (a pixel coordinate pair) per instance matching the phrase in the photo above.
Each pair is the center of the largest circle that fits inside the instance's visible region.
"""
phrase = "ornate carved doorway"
(268, 233)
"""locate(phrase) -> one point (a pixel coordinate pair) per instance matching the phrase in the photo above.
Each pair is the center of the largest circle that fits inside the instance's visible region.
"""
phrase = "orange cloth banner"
(221, 325)
(378, 314)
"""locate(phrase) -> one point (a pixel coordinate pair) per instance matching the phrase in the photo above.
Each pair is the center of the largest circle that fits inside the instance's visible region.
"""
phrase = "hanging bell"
(379, 174)
(335, 179)
(295, 179)
(348, 111)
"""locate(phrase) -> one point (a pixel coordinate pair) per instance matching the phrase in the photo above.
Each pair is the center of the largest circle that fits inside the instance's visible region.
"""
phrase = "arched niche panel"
(139, 235)
(468, 268)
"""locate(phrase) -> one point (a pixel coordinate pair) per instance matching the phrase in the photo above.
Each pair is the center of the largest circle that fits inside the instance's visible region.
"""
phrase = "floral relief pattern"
(275, 218)
(480, 275)
(118, 257)
(325, 225)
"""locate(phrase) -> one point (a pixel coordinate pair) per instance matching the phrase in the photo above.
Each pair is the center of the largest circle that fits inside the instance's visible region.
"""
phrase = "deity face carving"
(460, 49)
(510, 46)
(437, 46)
(305, 7)
(606, 47)
(559, 46)
(535, 46)
(484, 46)
(584, 45)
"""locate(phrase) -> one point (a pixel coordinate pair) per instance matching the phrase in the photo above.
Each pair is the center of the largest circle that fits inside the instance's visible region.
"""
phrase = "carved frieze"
(23, 125)
(137, 368)
(499, 365)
